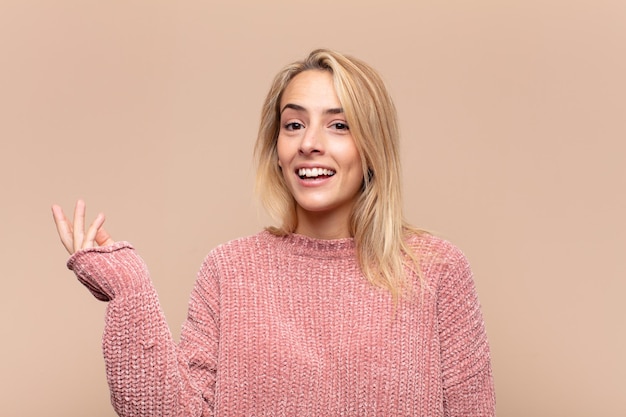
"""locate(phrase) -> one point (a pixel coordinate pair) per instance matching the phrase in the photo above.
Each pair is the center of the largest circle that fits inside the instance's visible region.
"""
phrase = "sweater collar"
(316, 248)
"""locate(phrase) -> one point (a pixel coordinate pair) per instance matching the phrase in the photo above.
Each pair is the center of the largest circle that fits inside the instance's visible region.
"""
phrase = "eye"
(340, 126)
(294, 126)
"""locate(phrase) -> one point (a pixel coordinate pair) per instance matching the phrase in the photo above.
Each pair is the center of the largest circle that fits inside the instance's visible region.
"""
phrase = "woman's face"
(316, 152)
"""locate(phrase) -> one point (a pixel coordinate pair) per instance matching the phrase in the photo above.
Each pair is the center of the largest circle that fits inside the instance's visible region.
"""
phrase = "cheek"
(279, 155)
(351, 156)
(282, 153)
(354, 160)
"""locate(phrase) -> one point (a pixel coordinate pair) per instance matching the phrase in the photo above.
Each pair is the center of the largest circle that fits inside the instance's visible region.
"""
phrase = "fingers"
(79, 224)
(73, 235)
(64, 229)
(90, 237)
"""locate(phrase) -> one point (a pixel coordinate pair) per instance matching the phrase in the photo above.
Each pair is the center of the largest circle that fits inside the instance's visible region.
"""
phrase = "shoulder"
(439, 259)
(434, 249)
(237, 256)
(243, 247)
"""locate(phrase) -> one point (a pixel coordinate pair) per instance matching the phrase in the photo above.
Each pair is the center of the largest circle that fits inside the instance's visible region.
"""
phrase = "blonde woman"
(342, 309)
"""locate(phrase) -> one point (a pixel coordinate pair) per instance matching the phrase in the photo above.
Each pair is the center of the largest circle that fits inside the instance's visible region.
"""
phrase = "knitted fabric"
(288, 326)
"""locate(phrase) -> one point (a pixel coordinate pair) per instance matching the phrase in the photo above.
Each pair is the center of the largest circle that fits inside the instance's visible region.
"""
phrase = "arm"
(466, 366)
(148, 373)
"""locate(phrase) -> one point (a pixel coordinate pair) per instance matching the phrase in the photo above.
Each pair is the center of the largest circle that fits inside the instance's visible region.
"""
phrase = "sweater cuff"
(111, 271)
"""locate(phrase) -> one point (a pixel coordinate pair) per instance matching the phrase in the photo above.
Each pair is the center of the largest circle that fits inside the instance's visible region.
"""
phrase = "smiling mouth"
(308, 173)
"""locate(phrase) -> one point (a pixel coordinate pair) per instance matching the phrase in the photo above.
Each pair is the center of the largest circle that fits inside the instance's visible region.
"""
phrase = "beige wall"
(513, 116)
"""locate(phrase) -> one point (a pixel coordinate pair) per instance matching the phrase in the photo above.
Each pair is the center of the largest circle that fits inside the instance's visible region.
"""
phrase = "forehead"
(311, 89)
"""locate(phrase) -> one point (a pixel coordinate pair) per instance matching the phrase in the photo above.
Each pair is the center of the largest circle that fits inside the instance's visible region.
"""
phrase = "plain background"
(513, 119)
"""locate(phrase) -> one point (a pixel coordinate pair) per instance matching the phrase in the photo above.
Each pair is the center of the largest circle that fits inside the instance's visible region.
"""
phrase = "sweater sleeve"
(148, 373)
(466, 365)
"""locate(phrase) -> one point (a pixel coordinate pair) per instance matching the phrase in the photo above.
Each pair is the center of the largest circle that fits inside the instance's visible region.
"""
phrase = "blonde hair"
(376, 222)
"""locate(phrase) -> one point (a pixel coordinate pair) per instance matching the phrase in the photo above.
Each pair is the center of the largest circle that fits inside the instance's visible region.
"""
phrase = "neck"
(321, 225)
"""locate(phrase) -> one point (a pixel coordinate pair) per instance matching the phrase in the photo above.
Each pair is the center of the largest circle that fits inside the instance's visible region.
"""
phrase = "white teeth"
(315, 172)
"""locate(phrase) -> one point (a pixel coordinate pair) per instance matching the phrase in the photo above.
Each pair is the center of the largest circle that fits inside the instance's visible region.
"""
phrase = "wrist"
(110, 271)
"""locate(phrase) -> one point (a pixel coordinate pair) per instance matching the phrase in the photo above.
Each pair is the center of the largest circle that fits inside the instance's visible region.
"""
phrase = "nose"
(312, 141)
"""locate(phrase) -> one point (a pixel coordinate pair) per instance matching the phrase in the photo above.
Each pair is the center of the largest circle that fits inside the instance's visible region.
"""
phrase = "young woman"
(343, 309)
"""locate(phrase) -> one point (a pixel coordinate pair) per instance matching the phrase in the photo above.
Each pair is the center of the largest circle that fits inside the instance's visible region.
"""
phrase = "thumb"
(103, 238)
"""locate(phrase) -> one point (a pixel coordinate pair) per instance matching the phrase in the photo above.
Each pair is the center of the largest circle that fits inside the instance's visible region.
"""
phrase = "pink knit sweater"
(288, 326)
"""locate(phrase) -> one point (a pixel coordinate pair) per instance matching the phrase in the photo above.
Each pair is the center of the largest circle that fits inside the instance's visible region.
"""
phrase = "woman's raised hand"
(73, 235)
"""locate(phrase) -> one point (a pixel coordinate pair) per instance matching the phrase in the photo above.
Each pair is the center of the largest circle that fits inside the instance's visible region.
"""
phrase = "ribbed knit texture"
(288, 326)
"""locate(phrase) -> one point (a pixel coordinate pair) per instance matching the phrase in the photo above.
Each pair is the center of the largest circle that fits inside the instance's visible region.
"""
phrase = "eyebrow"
(297, 107)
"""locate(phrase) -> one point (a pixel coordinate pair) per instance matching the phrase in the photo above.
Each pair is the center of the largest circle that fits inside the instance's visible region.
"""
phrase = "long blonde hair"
(376, 222)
